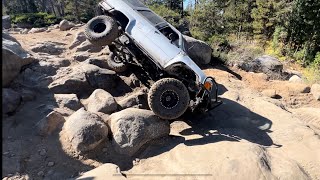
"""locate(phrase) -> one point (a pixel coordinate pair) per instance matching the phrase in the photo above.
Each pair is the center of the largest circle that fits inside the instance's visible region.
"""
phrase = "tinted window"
(153, 18)
(136, 3)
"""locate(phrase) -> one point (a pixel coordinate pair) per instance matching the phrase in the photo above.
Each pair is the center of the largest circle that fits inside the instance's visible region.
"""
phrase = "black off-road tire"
(116, 65)
(101, 30)
(167, 108)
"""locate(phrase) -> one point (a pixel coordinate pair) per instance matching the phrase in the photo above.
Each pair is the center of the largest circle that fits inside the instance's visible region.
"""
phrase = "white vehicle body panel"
(149, 38)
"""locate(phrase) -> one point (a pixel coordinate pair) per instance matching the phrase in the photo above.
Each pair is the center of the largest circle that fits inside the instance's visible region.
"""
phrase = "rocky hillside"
(66, 115)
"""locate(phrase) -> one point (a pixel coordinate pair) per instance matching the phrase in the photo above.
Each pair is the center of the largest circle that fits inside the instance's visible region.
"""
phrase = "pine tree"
(237, 16)
(264, 19)
(303, 28)
(206, 20)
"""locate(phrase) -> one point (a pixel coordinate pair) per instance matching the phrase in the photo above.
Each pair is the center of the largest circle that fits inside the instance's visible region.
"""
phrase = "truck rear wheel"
(168, 98)
(114, 62)
(101, 30)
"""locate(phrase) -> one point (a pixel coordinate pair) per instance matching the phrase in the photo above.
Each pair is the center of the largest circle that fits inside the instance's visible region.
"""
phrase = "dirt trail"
(248, 137)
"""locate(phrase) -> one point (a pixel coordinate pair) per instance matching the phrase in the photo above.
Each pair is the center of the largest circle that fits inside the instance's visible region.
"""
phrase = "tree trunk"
(52, 7)
(24, 6)
(62, 6)
(182, 9)
(5, 6)
(77, 15)
(32, 6)
(57, 7)
(43, 7)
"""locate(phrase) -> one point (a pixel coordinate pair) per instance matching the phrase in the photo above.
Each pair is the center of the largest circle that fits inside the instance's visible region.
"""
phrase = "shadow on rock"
(230, 121)
(221, 89)
(219, 65)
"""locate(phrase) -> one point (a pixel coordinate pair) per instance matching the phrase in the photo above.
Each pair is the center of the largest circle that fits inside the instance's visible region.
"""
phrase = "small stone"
(50, 164)
(269, 93)
(296, 79)
(42, 152)
(101, 101)
(297, 88)
(68, 34)
(136, 161)
(40, 173)
(50, 123)
(65, 25)
(315, 90)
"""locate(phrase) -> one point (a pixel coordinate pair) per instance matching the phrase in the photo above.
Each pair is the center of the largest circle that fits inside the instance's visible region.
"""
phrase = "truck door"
(154, 42)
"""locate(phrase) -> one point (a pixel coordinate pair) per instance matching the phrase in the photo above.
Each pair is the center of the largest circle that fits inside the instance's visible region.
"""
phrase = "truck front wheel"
(168, 98)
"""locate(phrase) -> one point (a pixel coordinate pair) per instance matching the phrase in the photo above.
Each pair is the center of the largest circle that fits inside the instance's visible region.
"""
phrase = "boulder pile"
(90, 102)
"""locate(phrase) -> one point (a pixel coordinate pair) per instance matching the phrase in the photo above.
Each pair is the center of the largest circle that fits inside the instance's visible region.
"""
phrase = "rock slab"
(83, 77)
(10, 100)
(105, 171)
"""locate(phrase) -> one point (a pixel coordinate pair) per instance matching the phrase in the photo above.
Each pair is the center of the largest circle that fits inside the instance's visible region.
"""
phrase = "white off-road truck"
(135, 34)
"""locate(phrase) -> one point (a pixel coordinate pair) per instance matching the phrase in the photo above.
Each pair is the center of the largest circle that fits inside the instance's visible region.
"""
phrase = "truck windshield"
(153, 18)
(135, 3)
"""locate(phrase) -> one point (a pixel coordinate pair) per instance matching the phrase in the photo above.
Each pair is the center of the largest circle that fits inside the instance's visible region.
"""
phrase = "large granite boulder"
(85, 131)
(132, 128)
(6, 22)
(199, 51)
(13, 58)
(66, 25)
